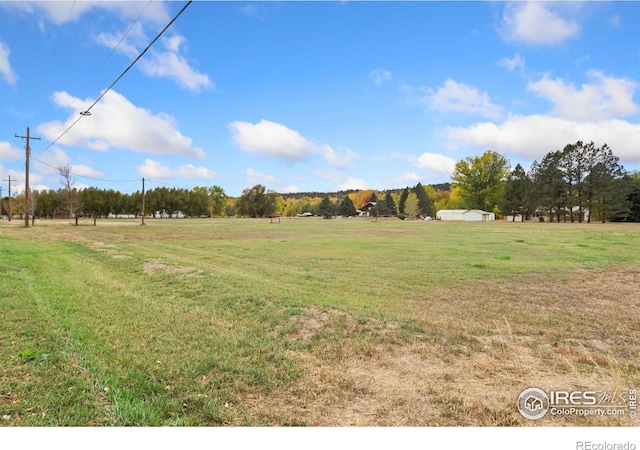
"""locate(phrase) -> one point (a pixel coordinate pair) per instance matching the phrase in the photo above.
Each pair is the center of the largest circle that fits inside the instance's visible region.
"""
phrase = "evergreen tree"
(549, 185)
(391, 205)
(516, 198)
(403, 200)
(347, 209)
(425, 205)
(605, 190)
(634, 198)
(326, 207)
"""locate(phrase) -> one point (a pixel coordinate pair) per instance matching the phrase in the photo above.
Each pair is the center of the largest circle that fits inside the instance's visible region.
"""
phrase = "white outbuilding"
(468, 215)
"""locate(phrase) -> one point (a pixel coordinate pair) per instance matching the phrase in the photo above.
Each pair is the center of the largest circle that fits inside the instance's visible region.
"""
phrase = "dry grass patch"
(154, 266)
(471, 360)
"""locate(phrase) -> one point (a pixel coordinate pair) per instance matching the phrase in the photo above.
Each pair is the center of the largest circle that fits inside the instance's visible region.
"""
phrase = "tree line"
(581, 182)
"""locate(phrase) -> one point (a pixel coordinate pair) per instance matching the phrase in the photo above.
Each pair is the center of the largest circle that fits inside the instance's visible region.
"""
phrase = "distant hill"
(298, 195)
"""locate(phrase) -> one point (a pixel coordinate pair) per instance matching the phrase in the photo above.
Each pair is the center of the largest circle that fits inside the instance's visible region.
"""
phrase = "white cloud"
(115, 122)
(605, 98)
(405, 179)
(538, 23)
(435, 162)
(270, 182)
(615, 20)
(5, 67)
(60, 13)
(275, 140)
(48, 162)
(155, 169)
(8, 151)
(168, 63)
(348, 160)
(271, 139)
(135, 37)
(249, 10)
(459, 97)
(536, 135)
(51, 159)
(86, 171)
(343, 182)
(172, 65)
(379, 76)
(517, 62)
(261, 178)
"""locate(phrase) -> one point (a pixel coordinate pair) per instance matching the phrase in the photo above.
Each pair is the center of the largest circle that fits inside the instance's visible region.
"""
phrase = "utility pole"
(27, 191)
(9, 210)
(142, 202)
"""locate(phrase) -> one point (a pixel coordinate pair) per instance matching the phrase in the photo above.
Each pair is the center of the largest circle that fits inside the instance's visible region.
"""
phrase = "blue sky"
(309, 96)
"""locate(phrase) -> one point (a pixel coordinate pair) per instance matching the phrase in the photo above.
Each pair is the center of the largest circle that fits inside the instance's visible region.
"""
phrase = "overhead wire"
(86, 176)
(164, 183)
(87, 112)
(48, 63)
(104, 61)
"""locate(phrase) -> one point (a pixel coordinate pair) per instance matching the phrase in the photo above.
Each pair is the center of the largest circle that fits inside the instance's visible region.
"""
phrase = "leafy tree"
(361, 198)
(256, 202)
(411, 206)
(49, 203)
(347, 209)
(218, 200)
(292, 208)
(310, 205)
(93, 202)
(281, 204)
(481, 179)
(196, 202)
(68, 183)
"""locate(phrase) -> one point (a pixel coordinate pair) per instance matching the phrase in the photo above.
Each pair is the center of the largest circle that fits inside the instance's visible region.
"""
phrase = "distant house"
(365, 211)
(468, 215)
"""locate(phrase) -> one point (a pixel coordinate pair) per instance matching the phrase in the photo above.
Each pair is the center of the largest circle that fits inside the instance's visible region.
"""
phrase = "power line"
(87, 112)
(126, 33)
(86, 176)
(164, 184)
(47, 65)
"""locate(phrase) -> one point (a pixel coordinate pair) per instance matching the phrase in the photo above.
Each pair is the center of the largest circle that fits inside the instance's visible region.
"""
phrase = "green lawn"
(311, 322)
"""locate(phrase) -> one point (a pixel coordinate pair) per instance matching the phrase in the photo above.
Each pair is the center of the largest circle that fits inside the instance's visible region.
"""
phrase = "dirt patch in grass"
(468, 367)
(309, 324)
(154, 266)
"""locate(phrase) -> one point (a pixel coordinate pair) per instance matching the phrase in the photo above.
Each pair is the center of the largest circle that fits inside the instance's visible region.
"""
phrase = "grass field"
(312, 322)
